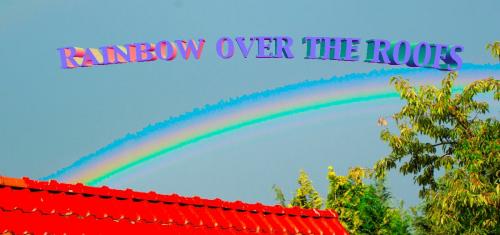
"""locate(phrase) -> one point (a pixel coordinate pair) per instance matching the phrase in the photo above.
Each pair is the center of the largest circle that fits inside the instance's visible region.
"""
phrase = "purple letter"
(166, 50)
(327, 48)
(230, 48)
(438, 54)
(376, 51)
(263, 47)
(311, 43)
(187, 47)
(351, 46)
(143, 52)
(453, 59)
(89, 58)
(283, 49)
(68, 57)
(417, 55)
(241, 43)
(396, 50)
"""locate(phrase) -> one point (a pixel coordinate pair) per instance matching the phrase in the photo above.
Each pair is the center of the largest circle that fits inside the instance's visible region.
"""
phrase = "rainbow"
(155, 141)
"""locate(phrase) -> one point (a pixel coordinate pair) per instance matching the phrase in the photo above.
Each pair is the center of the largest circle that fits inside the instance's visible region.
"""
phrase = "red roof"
(39, 207)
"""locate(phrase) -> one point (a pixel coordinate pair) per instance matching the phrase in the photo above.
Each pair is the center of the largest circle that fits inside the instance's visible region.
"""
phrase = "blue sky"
(50, 117)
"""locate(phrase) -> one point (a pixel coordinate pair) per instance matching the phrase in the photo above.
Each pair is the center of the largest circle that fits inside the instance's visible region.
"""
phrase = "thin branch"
(443, 143)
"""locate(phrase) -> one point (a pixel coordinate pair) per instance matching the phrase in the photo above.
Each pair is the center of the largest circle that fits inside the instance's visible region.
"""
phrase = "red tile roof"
(39, 207)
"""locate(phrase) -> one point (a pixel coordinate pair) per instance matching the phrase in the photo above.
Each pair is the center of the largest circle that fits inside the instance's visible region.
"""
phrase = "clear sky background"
(50, 117)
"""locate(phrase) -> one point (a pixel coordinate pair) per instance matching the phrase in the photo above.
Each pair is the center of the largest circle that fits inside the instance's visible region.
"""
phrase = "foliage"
(305, 196)
(494, 49)
(452, 148)
(280, 196)
(362, 208)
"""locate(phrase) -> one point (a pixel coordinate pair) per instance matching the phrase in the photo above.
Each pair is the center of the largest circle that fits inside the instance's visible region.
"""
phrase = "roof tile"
(38, 207)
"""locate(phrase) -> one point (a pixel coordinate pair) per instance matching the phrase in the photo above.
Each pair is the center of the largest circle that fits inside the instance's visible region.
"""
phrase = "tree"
(305, 196)
(362, 208)
(452, 147)
(494, 49)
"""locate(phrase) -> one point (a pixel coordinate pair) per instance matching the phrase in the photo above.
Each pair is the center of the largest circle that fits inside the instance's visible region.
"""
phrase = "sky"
(51, 117)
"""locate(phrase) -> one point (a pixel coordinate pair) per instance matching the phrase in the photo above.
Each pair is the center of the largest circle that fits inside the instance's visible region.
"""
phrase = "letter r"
(68, 55)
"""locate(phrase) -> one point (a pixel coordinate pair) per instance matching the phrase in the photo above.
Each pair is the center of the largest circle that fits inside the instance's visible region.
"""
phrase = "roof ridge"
(53, 186)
